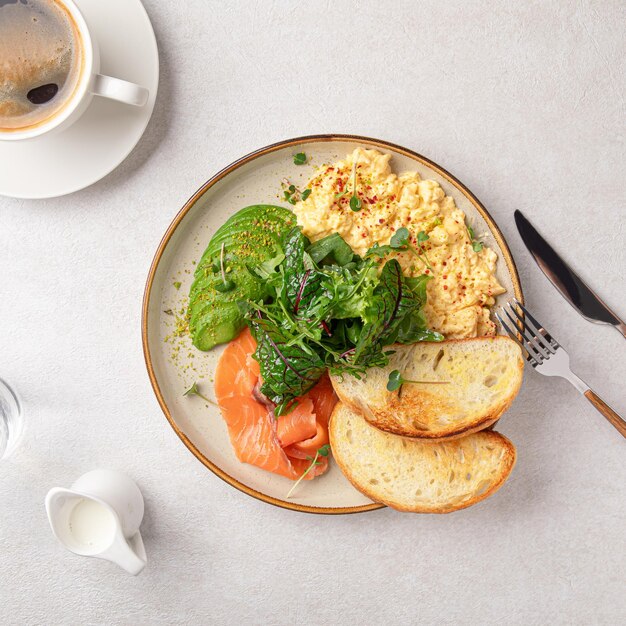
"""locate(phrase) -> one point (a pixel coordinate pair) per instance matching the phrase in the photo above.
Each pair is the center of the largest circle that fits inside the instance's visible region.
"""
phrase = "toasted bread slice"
(417, 475)
(483, 377)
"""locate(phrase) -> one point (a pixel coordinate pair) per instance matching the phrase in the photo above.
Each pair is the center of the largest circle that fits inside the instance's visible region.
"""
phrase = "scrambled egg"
(463, 284)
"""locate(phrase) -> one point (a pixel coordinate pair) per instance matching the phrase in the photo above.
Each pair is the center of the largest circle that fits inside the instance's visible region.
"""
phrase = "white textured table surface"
(524, 102)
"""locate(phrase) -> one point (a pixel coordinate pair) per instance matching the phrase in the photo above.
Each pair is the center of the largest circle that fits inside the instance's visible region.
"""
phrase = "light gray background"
(524, 102)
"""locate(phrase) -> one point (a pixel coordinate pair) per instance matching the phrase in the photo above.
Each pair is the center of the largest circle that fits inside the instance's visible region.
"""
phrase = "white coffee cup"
(90, 83)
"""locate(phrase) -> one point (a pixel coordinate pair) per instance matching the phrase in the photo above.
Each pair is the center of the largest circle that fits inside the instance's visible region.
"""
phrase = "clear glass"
(10, 419)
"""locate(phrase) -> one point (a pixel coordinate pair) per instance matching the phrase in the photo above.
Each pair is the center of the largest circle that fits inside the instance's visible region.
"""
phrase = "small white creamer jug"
(100, 516)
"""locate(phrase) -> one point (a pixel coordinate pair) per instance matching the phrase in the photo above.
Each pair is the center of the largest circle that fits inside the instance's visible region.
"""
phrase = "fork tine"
(540, 330)
(513, 335)
(539, 334)
(541, 346)
(528, 340)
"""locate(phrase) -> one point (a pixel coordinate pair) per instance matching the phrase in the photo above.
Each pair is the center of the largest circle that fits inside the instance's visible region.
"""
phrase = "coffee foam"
(39, 45)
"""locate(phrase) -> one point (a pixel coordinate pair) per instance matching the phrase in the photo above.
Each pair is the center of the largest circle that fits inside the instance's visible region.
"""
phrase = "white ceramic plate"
(174, 364)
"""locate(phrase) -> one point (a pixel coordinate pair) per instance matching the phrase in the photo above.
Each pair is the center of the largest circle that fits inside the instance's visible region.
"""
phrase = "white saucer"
(58, 164)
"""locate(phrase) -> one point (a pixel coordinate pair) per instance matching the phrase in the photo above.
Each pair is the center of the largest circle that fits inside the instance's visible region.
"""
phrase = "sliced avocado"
(250, 237)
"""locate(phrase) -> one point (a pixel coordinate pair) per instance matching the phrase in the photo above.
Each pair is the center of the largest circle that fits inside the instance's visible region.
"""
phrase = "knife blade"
(569, 284)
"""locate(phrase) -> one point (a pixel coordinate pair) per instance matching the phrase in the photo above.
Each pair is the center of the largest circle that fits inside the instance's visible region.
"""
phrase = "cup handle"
(120, 90)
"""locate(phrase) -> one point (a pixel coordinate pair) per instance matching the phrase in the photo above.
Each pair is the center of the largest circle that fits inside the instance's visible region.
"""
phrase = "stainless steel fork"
(547, 356)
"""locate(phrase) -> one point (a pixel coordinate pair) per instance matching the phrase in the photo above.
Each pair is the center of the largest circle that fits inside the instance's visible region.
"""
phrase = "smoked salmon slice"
(283, 445)
(297, 425)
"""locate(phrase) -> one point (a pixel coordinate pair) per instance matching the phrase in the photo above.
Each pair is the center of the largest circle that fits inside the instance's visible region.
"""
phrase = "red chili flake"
(363, 234)
(426, 271)
(381, 221)
(444, 263)
(445, 286)
(445, 276)
(392, 198)
(408, 219)
(375, 198)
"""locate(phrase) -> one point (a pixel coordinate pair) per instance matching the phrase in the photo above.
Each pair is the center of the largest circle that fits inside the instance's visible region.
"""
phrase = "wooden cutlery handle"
(607, 411)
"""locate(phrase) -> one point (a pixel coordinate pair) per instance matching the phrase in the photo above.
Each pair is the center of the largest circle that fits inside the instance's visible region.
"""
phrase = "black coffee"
(40, 61)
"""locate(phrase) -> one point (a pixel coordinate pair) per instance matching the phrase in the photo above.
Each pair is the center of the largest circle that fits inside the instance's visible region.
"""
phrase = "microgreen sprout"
(292, 194)
(194, 391)
(422, 237)
(225, 285)
(323, 451)
(477, 246)
(355, 201)
(396, 381)
(401, 241)
(300, 158)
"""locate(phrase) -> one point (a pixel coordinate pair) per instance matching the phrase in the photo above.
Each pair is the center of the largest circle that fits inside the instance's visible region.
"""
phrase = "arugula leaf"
(384, 313)
(352, 289)
(288, 369)
(393, 316)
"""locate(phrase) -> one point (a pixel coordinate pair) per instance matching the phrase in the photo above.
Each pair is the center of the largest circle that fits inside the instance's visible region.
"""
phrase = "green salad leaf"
(303, 285)
(324, 315)
(311, 307)
(288, 368)
(394, 308)
(331, 249)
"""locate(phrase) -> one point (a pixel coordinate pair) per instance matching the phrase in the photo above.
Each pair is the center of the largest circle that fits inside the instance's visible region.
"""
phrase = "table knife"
(562, 276)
